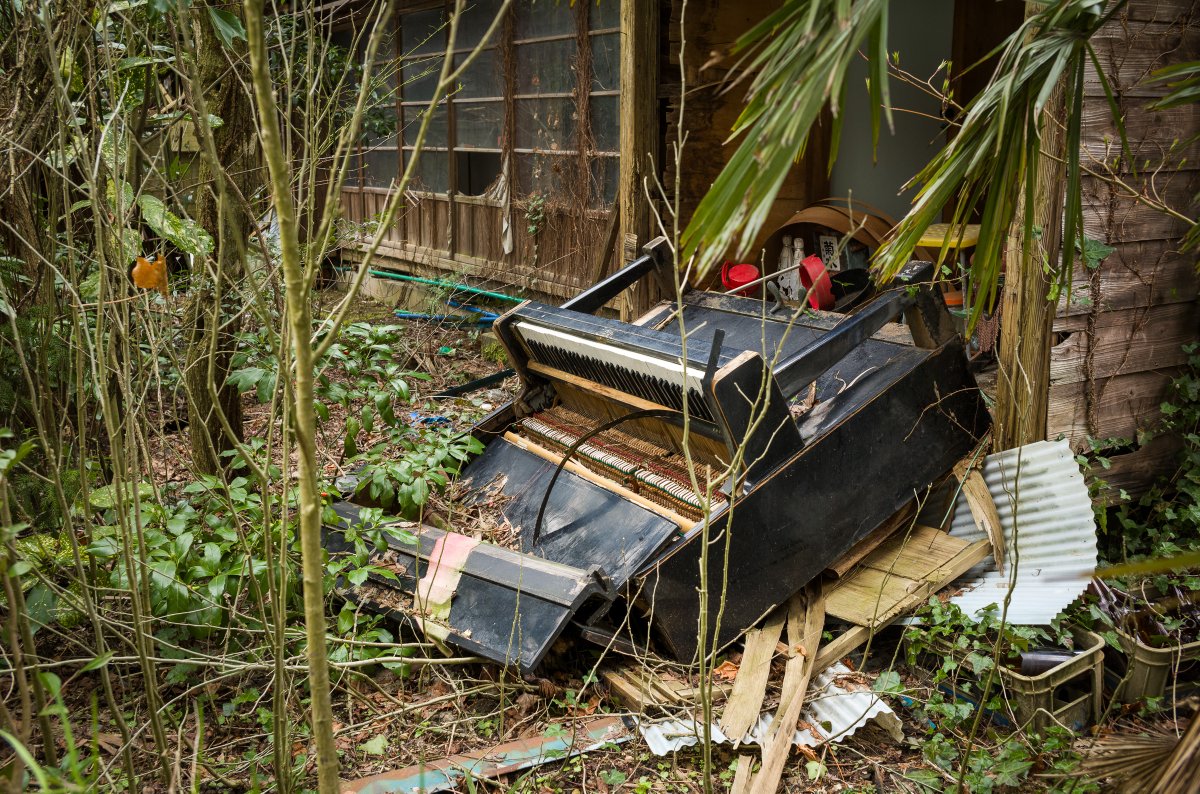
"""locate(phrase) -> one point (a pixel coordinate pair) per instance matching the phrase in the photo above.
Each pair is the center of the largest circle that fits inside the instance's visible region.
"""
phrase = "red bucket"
(736, 277)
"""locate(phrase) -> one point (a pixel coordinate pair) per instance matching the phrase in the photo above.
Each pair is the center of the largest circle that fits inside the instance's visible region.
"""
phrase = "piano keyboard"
(658, 380)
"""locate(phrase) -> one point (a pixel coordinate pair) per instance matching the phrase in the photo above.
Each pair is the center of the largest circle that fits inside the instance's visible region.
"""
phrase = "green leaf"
(376, 745)
(889, 682)
(105, 497)
(226, 25)
(41, 605)
(188, 235)
(98, 662)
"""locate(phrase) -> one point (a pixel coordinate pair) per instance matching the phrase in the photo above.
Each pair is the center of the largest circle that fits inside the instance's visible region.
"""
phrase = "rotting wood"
(983, 509)
(750, 686)
(1122, 342)
(798, 673)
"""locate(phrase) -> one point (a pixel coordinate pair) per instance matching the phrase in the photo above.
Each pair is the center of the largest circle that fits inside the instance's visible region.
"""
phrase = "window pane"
(477, 171)
(379, 125)
(545, 124)
(387, 45)
(606, 62)
(483, 78)
(475, 22)
(436, 136)
(604, 14)
(537, 18)
(606, 123)
(546, 68)
(380, 167)
(479, 124)
(352, 172)
(379, 115)
(544, 174)
(420, 78)
(422, 32)
(605, 172)
(432, 172)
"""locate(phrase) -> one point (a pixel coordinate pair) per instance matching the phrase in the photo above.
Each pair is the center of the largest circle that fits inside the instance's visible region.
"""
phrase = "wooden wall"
(1118, 337)
(559, 262)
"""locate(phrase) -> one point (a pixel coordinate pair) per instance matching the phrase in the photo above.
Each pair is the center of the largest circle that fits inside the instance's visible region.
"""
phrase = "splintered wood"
(806, 620)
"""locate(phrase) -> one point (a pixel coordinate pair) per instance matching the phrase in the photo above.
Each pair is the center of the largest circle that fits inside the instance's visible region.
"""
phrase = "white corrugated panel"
(843, 706)
(1049, 528)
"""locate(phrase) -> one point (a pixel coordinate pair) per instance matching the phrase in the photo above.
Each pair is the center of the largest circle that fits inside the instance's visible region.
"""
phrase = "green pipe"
(439, 283)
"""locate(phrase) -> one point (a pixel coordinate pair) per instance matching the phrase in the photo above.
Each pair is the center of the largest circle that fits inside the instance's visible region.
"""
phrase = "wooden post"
(639, 134)
(1027, 313)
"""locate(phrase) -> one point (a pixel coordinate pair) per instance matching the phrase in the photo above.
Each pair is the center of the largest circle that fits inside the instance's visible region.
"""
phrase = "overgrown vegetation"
(178, 404)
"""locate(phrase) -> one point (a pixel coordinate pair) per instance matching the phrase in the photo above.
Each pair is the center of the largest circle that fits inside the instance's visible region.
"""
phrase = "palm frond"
(800, 55)
(995, 154)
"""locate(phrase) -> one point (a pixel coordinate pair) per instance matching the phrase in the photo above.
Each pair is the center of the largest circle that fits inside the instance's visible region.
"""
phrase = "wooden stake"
(777, 745)
(745, 702)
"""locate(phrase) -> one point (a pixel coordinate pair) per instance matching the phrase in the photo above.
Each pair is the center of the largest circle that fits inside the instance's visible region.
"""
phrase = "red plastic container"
(815, 279)
(736, 277)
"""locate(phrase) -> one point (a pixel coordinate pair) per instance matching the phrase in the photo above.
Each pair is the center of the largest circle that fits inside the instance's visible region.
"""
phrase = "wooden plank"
(1158, 10)
(835, 650)
(1129, 52)
(1124, 405)
(741, 777)
(1155, 136)
(1131, 340)
(636, 695)
(872, 596)
(983, 512)
(1134, 472)
(797, 674)
(1110, 213)
(639, 138)
(1140, 273)
(745, 702)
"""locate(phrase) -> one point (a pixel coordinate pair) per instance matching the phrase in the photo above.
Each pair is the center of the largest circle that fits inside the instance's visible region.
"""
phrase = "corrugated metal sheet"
(1049, 527)
(845, 707)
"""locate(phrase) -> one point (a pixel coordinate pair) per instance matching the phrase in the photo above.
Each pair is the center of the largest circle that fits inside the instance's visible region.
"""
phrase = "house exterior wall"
(1118, 337)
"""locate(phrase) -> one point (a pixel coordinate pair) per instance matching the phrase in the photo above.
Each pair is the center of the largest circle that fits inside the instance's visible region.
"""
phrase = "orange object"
(736, 277)
(816, 281)
(149, 274)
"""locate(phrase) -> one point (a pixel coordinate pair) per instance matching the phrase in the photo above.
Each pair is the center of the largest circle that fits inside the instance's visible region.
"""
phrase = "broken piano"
(775, 439)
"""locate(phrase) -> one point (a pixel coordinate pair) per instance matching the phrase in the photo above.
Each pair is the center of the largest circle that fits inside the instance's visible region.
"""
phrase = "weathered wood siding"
(1118, 336)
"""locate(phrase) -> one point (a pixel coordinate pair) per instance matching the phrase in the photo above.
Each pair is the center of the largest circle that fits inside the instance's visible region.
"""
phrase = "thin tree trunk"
(299, 322)
(221, 209)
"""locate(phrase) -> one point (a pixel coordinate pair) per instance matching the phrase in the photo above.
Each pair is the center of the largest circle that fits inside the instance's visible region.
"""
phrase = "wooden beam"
(639, 134)
(1023, 384)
